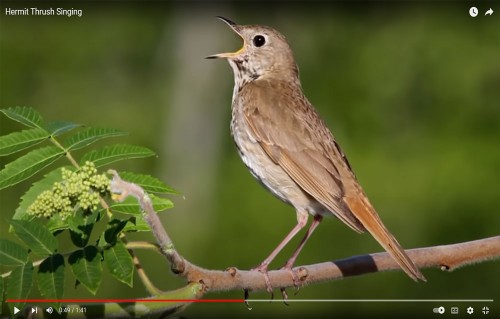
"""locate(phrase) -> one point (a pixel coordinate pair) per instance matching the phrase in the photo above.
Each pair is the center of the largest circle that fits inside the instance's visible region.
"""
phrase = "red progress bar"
(124, 300)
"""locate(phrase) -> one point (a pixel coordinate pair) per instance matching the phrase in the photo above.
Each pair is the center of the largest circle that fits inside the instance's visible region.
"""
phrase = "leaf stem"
(67, 153)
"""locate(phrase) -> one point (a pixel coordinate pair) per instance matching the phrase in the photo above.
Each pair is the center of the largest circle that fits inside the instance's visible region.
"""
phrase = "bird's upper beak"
(236, 28)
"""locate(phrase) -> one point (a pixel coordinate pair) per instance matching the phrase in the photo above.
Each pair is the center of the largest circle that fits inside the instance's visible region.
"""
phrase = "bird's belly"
(271, 175)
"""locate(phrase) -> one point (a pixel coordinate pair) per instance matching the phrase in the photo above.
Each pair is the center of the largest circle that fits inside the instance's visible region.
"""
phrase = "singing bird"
(287, 146)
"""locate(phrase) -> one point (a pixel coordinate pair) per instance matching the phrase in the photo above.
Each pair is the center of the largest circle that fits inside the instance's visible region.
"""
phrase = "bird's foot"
(296, 282)
(262, 268)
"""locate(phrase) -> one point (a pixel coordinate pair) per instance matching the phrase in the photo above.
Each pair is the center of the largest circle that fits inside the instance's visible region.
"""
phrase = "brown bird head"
(265, 54)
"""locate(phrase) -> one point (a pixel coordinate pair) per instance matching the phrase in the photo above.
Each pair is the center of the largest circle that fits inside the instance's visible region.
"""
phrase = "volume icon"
(439, 310)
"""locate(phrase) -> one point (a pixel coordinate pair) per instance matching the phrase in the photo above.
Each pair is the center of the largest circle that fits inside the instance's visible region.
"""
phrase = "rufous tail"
(366, 214)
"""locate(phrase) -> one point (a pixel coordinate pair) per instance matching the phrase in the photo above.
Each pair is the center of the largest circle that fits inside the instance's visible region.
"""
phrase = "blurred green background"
(411, 91)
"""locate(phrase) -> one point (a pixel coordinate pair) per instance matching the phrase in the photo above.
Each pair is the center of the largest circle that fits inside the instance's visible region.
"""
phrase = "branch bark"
(444, 257)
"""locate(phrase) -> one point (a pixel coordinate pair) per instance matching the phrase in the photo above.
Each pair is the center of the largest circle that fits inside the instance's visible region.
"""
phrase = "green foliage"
(24, 115)
(18, 141)
(45, 183)
(19, 283)
(148, 183)
(89, 136)
(12, 254)
(131, 206)
(136, 224)
(120, 263)
(2, 286)
(60, 127)
(114, 153)
(86, 266)
(28, 165)
(71, 199)
(35, 236)
(50, 278)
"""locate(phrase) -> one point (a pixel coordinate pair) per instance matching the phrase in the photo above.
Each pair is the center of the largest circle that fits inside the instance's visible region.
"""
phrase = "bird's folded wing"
(304, 160)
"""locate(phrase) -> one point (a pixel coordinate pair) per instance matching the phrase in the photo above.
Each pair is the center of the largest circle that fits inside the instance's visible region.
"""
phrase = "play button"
(16, 310)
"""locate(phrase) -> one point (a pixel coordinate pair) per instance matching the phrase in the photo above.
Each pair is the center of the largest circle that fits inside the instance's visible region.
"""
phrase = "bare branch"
(446, 257)
(124, 189)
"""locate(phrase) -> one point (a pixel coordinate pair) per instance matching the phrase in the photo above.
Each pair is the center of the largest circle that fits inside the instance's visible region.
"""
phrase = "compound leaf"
(28, 165)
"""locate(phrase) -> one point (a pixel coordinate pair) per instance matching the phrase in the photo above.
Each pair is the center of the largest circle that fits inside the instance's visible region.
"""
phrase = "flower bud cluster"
(78, 190)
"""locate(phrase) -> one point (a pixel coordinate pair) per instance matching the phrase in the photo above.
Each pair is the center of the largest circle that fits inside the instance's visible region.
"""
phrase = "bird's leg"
(301, 222)
(289, 264)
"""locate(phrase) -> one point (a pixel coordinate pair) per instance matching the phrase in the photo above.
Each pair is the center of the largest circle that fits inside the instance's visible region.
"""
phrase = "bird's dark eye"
(259, 40)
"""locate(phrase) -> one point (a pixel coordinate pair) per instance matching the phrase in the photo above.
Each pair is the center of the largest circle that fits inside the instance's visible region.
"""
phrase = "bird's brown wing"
(295, 148)
(308, 153)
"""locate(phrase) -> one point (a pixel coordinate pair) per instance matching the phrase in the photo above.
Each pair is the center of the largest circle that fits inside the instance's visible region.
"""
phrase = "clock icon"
(473, 12)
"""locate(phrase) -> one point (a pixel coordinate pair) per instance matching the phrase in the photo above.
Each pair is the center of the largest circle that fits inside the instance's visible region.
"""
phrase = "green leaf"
(148, 183)
(56, 223)
(86, 266)
(120, 263)
(137, 224)
(89, 136)
(24, 115)
(113, 153)
(128, 206)
(36, 189)
(131, 206)
(50, 278)
(81, 226)
(81, 237)
(11, 254)
(19, 284)
(2, 291)
(60, 127)
(145, 309)
(17, 141)
(28, 165)
(36, 236)
(114, 228)
(160, 204)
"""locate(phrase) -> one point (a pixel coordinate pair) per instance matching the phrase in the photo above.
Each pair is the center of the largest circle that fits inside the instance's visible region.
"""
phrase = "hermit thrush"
(286, 145)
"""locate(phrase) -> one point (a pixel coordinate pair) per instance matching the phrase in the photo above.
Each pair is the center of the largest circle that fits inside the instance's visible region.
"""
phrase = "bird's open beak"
(229, 55)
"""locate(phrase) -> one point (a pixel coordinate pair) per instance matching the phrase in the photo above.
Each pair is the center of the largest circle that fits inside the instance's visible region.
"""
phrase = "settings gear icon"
(470, 310)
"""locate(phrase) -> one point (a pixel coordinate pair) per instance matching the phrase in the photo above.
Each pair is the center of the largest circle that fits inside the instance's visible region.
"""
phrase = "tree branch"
(445, 257)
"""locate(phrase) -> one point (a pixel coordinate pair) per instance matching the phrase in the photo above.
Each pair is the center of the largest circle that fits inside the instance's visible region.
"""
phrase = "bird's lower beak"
(229, 55)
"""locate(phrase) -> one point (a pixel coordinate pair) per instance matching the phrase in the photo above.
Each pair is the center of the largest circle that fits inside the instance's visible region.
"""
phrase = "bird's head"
(265, 53)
